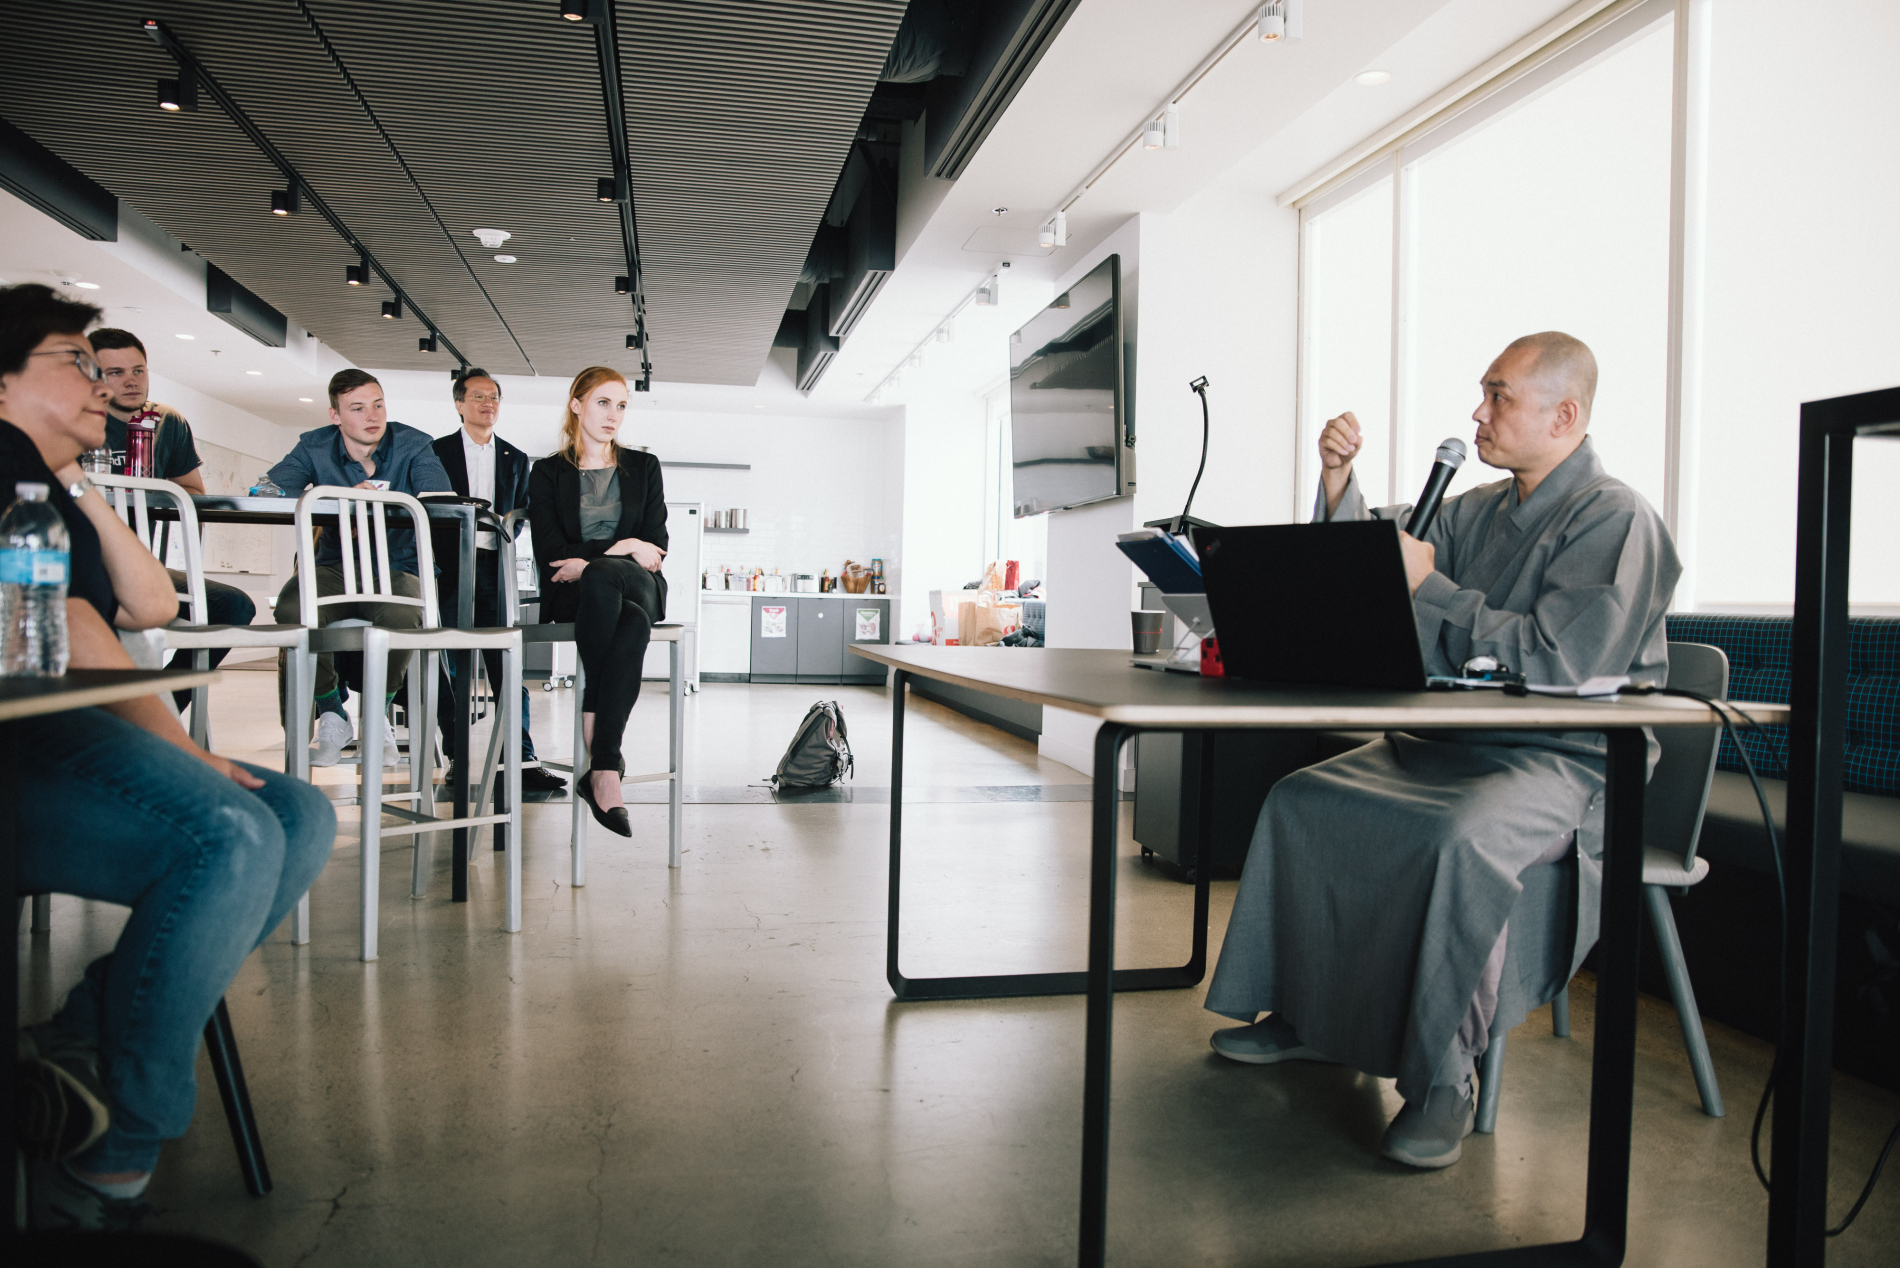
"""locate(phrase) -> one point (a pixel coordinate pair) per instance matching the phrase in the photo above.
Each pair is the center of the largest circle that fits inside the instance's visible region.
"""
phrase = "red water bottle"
(1012, 574)
(141, 443)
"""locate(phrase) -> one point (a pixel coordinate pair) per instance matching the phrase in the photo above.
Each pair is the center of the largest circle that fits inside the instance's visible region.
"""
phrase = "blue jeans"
(111, 812)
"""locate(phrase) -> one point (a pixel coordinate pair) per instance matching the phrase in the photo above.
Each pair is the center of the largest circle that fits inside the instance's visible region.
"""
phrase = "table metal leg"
(1613, 1071)
(458, 738)
(675, 731)
(1007, 985)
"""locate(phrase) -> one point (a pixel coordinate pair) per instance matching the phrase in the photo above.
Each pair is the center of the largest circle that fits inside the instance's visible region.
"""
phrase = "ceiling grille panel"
(485, 115)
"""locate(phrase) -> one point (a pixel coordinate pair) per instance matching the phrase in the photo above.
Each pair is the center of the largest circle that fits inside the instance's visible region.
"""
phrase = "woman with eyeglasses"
(117, 804)
(599, 517)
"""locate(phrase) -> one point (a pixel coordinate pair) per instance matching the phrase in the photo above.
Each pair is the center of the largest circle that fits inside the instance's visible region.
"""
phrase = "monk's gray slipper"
(1269, 1040)
(1431, 1135)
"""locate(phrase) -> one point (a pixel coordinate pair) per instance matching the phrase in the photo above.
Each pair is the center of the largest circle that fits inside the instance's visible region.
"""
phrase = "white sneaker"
(390, 753)
(333, 732)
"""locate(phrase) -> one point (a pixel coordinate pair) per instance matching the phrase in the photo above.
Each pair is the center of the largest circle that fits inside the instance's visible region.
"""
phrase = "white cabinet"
(725, 633)
(684, 521)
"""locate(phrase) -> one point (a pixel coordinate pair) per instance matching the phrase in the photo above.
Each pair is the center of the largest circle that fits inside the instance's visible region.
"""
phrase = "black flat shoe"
(613, 820)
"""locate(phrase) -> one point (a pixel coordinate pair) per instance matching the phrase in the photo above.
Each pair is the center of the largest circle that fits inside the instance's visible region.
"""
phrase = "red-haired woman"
(599, 519)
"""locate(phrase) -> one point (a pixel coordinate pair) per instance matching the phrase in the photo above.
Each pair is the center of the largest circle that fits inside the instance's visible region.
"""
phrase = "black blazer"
(511, 471)
(554, 512)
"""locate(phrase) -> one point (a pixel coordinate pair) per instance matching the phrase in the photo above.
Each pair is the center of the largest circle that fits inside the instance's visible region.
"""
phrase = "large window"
(1546, 208)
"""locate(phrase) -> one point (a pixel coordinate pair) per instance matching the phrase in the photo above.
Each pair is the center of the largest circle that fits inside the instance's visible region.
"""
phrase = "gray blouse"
(600, 504)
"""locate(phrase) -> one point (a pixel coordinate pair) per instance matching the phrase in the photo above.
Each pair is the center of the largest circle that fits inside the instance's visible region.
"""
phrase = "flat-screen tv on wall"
(1067, 398)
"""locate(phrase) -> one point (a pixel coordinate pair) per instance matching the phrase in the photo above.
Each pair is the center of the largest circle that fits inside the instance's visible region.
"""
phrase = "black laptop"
(1316, 605)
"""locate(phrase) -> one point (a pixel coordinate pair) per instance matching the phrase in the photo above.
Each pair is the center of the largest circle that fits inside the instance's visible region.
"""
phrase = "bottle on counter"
(824, 582)
(34, 560)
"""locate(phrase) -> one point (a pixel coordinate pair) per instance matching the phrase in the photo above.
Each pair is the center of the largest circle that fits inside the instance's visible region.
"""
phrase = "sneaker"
(333, 732)
(1431, 1135)
(62, 1093)
(1269, 1040)
(391, 754)
(59, 1202)
(538, 784)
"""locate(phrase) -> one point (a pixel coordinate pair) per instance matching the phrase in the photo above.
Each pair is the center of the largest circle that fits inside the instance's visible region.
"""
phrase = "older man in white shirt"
(483, 465)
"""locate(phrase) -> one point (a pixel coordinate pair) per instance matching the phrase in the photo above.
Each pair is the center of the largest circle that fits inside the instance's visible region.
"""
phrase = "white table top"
(1103, 684)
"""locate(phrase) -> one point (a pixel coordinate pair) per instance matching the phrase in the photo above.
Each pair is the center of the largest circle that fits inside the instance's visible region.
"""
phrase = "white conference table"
(1128, 700)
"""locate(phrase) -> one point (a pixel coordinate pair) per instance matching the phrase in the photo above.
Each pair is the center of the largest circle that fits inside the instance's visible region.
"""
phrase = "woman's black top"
(554, 514)
(86, 576)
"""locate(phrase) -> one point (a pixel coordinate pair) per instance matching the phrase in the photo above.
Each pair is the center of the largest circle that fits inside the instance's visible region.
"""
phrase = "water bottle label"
(33, 567)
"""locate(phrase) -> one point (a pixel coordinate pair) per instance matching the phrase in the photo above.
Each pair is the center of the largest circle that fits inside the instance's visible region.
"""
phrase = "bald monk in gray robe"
(1371, 922)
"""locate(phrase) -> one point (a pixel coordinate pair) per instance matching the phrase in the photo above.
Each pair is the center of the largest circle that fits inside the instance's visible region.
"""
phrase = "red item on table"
(141, 443)
(1012, 573)
(1211, 666)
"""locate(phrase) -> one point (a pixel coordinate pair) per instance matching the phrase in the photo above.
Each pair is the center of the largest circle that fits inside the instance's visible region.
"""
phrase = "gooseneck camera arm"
(1179, 525)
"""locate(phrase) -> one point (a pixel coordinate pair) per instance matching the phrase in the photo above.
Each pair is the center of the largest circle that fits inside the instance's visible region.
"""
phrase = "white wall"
(1802, 266)
(942, 499)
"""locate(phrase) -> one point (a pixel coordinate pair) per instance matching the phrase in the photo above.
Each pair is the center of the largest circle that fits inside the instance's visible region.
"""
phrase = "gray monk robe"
(1379, 884)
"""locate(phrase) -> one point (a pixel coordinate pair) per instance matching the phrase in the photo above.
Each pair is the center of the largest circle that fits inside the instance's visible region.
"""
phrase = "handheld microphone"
(1451, 456)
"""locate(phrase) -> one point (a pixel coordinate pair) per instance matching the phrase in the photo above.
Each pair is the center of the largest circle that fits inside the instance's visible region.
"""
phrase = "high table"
(219, 508)
(1103, 684)
(22, 698)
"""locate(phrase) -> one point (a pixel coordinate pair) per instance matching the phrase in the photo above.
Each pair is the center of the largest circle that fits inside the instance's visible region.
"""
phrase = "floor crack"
(336, 1208)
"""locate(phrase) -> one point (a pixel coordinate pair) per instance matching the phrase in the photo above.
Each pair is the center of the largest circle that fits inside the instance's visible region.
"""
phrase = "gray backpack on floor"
(819, 755)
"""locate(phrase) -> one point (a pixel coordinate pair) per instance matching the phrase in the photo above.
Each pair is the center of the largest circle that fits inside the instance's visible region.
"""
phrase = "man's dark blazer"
(511, 494)
(554, 512)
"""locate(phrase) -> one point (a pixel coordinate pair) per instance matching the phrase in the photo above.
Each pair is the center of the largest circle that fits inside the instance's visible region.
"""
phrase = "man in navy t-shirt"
(122, 356)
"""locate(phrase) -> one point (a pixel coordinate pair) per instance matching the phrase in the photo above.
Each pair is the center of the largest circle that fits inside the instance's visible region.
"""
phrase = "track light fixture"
(607, 189)
(357, 274)
(1054, 231)
(574, 10)
(990, 294)
(426, 343)
(645, 382)
(636, 341)
(180, 94)
(286, 202)
(1279, 20)
(945, 334)
(392, 308)
(623, 285)
(1163, 131)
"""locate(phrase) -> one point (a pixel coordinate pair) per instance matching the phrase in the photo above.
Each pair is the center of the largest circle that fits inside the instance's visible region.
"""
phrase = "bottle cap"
(30, 491)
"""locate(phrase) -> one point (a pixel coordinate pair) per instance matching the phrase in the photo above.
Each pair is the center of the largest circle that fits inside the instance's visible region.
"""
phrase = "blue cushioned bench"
(1729, 923)
(1760, 658)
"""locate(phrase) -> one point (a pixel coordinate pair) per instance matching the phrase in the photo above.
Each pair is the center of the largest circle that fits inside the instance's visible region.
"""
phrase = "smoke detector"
(492, 238)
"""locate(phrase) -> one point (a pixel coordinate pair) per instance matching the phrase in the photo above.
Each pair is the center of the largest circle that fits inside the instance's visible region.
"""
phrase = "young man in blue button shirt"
(360, 446)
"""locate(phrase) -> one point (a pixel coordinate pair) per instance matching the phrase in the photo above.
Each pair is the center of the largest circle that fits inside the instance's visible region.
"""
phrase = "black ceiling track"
(336, 59)
(606, 44)
(189, 63)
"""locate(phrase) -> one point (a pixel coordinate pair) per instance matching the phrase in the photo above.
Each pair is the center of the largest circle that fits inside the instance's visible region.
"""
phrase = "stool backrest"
(130, 496)
(1678, 791)
(368, 574)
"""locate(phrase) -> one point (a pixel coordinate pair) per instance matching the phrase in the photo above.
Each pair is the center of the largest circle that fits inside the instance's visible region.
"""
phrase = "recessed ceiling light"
(188, 336)
(305, 399)
(87, 286)
(1372, 78)
(253, 372)
(504, 259)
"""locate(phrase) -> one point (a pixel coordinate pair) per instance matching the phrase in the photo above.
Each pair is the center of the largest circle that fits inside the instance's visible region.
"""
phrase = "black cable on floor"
(1729, 714)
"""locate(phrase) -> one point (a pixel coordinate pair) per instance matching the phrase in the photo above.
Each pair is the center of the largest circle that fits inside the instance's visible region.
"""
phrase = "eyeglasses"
(82, 360)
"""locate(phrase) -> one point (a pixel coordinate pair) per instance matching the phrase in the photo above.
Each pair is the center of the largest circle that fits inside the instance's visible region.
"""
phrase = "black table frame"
(1817, 740)
(220, 508)
(1613, 1061)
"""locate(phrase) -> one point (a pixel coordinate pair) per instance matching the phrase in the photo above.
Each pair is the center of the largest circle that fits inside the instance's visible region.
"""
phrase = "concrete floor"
(705, 1066)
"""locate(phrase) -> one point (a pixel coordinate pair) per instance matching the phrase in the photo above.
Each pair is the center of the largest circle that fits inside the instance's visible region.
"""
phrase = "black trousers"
(613, 623)
(224, 605)
(488, 612)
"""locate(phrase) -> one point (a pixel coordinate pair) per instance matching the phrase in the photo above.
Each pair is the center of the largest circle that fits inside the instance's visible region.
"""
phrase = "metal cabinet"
(820, 639)
(867, 622)
(774, 638)
(804, 637)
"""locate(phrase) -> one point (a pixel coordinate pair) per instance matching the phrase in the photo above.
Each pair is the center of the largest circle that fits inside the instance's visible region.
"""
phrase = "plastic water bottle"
(35, 560)
(266, 488)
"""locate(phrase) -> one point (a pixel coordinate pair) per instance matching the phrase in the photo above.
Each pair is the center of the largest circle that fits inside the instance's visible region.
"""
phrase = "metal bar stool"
(673, 635)
(369, 577)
